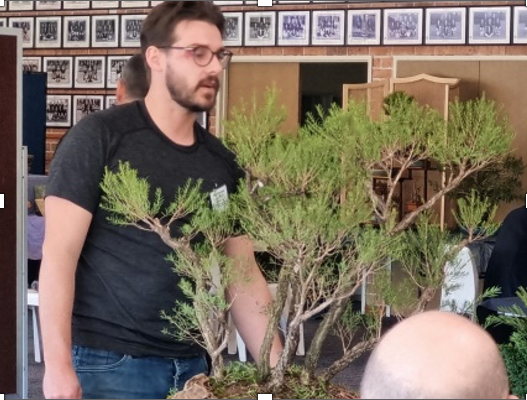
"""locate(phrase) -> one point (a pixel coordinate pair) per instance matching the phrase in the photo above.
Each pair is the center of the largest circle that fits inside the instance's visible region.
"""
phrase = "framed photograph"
(20, 5)
(111, 101)
(48, 32)
(86, 105)
(403, 26)
(76, 5)
(260, 28)
(26, 24)
(3, 8)
(293, 28)
(201, 118)
(489, 25)
(364, 27)
(520, 25)
(445, 25)
(60, 71)
(105, 31)
(233, 28)
(131, 30)
(104, 4)
(134, 4)
(48, 5)
(31, 64)
(76, 31)
(328, 27)
(58, 111)
(89, 72)
(115, 69)
(3, 22)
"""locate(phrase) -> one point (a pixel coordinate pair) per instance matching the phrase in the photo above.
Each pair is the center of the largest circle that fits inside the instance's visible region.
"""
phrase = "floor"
(349, 378)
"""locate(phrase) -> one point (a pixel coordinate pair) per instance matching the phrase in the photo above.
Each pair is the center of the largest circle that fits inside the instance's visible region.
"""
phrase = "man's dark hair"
(135, 78)
(158, 28)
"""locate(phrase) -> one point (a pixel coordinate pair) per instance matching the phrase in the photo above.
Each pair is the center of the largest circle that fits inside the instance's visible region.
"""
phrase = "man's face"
(192, 86)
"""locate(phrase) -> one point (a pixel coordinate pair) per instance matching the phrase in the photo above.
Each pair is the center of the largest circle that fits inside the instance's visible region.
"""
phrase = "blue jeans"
(108, 375)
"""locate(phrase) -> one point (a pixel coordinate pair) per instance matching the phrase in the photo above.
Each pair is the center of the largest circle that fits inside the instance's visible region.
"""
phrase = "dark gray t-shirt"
(123, 280)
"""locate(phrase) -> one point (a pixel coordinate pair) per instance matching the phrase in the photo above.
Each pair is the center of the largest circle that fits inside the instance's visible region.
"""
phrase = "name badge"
(220, 198)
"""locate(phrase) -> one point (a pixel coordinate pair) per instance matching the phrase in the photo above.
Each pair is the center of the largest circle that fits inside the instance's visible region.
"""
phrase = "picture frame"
(233, 35)
(20, 5)
(446, 25)
(48, 32)
(76, 31)
(403, 26)
(3, 22)
(27, 25)
(520, 25)
(48, 5)
(260, 28)
(111, 101)
(294, 28)
(104, 4)
(201, 119)
(3, 8)
(105, 31)
(134, 4)
(364, 27)
(131, 30)
(489, 25)
(58, 111)
(59, 71)
(115, 65)
(31, 64)
(76, 5)
(90, 72)
(328, 27)
(84, 105)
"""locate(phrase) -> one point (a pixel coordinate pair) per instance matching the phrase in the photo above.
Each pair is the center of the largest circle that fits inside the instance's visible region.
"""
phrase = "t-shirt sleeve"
(78, 165)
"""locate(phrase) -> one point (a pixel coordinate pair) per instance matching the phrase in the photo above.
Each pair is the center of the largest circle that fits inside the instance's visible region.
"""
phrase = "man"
(133, 84)
(436, 355)
(116, 280)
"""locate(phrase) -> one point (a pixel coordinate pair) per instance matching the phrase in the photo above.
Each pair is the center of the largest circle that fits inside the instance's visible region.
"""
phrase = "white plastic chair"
(33, 303)
(460, 290)
(236, 341)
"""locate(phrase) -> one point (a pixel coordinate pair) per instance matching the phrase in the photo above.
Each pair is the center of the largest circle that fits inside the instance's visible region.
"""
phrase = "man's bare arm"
(66, 229)
(251, 297)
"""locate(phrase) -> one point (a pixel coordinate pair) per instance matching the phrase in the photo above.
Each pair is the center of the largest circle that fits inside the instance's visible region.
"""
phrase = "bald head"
(435, 355)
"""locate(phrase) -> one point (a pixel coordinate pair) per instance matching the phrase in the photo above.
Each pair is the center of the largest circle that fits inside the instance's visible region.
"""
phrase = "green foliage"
(476, 214)
(500, 182)
(515, 352)
(127, 197)
(475, 132)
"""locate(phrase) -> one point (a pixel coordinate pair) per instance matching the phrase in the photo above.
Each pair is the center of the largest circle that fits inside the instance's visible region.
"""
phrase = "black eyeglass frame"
(221, 55)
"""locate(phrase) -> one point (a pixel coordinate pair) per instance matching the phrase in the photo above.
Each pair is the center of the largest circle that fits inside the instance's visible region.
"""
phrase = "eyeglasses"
(202, 55)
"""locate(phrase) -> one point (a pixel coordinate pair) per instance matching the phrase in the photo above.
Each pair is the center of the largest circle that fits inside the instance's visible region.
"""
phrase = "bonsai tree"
(309, 201)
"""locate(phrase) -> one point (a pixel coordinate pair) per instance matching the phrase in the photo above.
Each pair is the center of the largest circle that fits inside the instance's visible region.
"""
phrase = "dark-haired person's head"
(436, 355)
(182, 42)
(133, 83)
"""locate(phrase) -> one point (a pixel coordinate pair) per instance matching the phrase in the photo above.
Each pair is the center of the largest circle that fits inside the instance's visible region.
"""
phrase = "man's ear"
(120, 93)
(154, 58)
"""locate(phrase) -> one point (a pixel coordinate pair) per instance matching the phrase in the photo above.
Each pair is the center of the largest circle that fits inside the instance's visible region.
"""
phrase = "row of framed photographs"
(73, 5)
(78, 31)
(59, 109)
(81, 72)
(407, 26)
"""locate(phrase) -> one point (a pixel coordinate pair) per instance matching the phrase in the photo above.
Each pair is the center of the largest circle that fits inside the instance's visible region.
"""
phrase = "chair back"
(460, 289)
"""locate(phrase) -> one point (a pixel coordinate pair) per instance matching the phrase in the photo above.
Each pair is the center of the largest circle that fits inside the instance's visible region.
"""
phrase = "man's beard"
(186, 98)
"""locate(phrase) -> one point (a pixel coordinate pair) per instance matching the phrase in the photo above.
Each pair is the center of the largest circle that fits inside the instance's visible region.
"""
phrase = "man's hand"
(61, 384)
